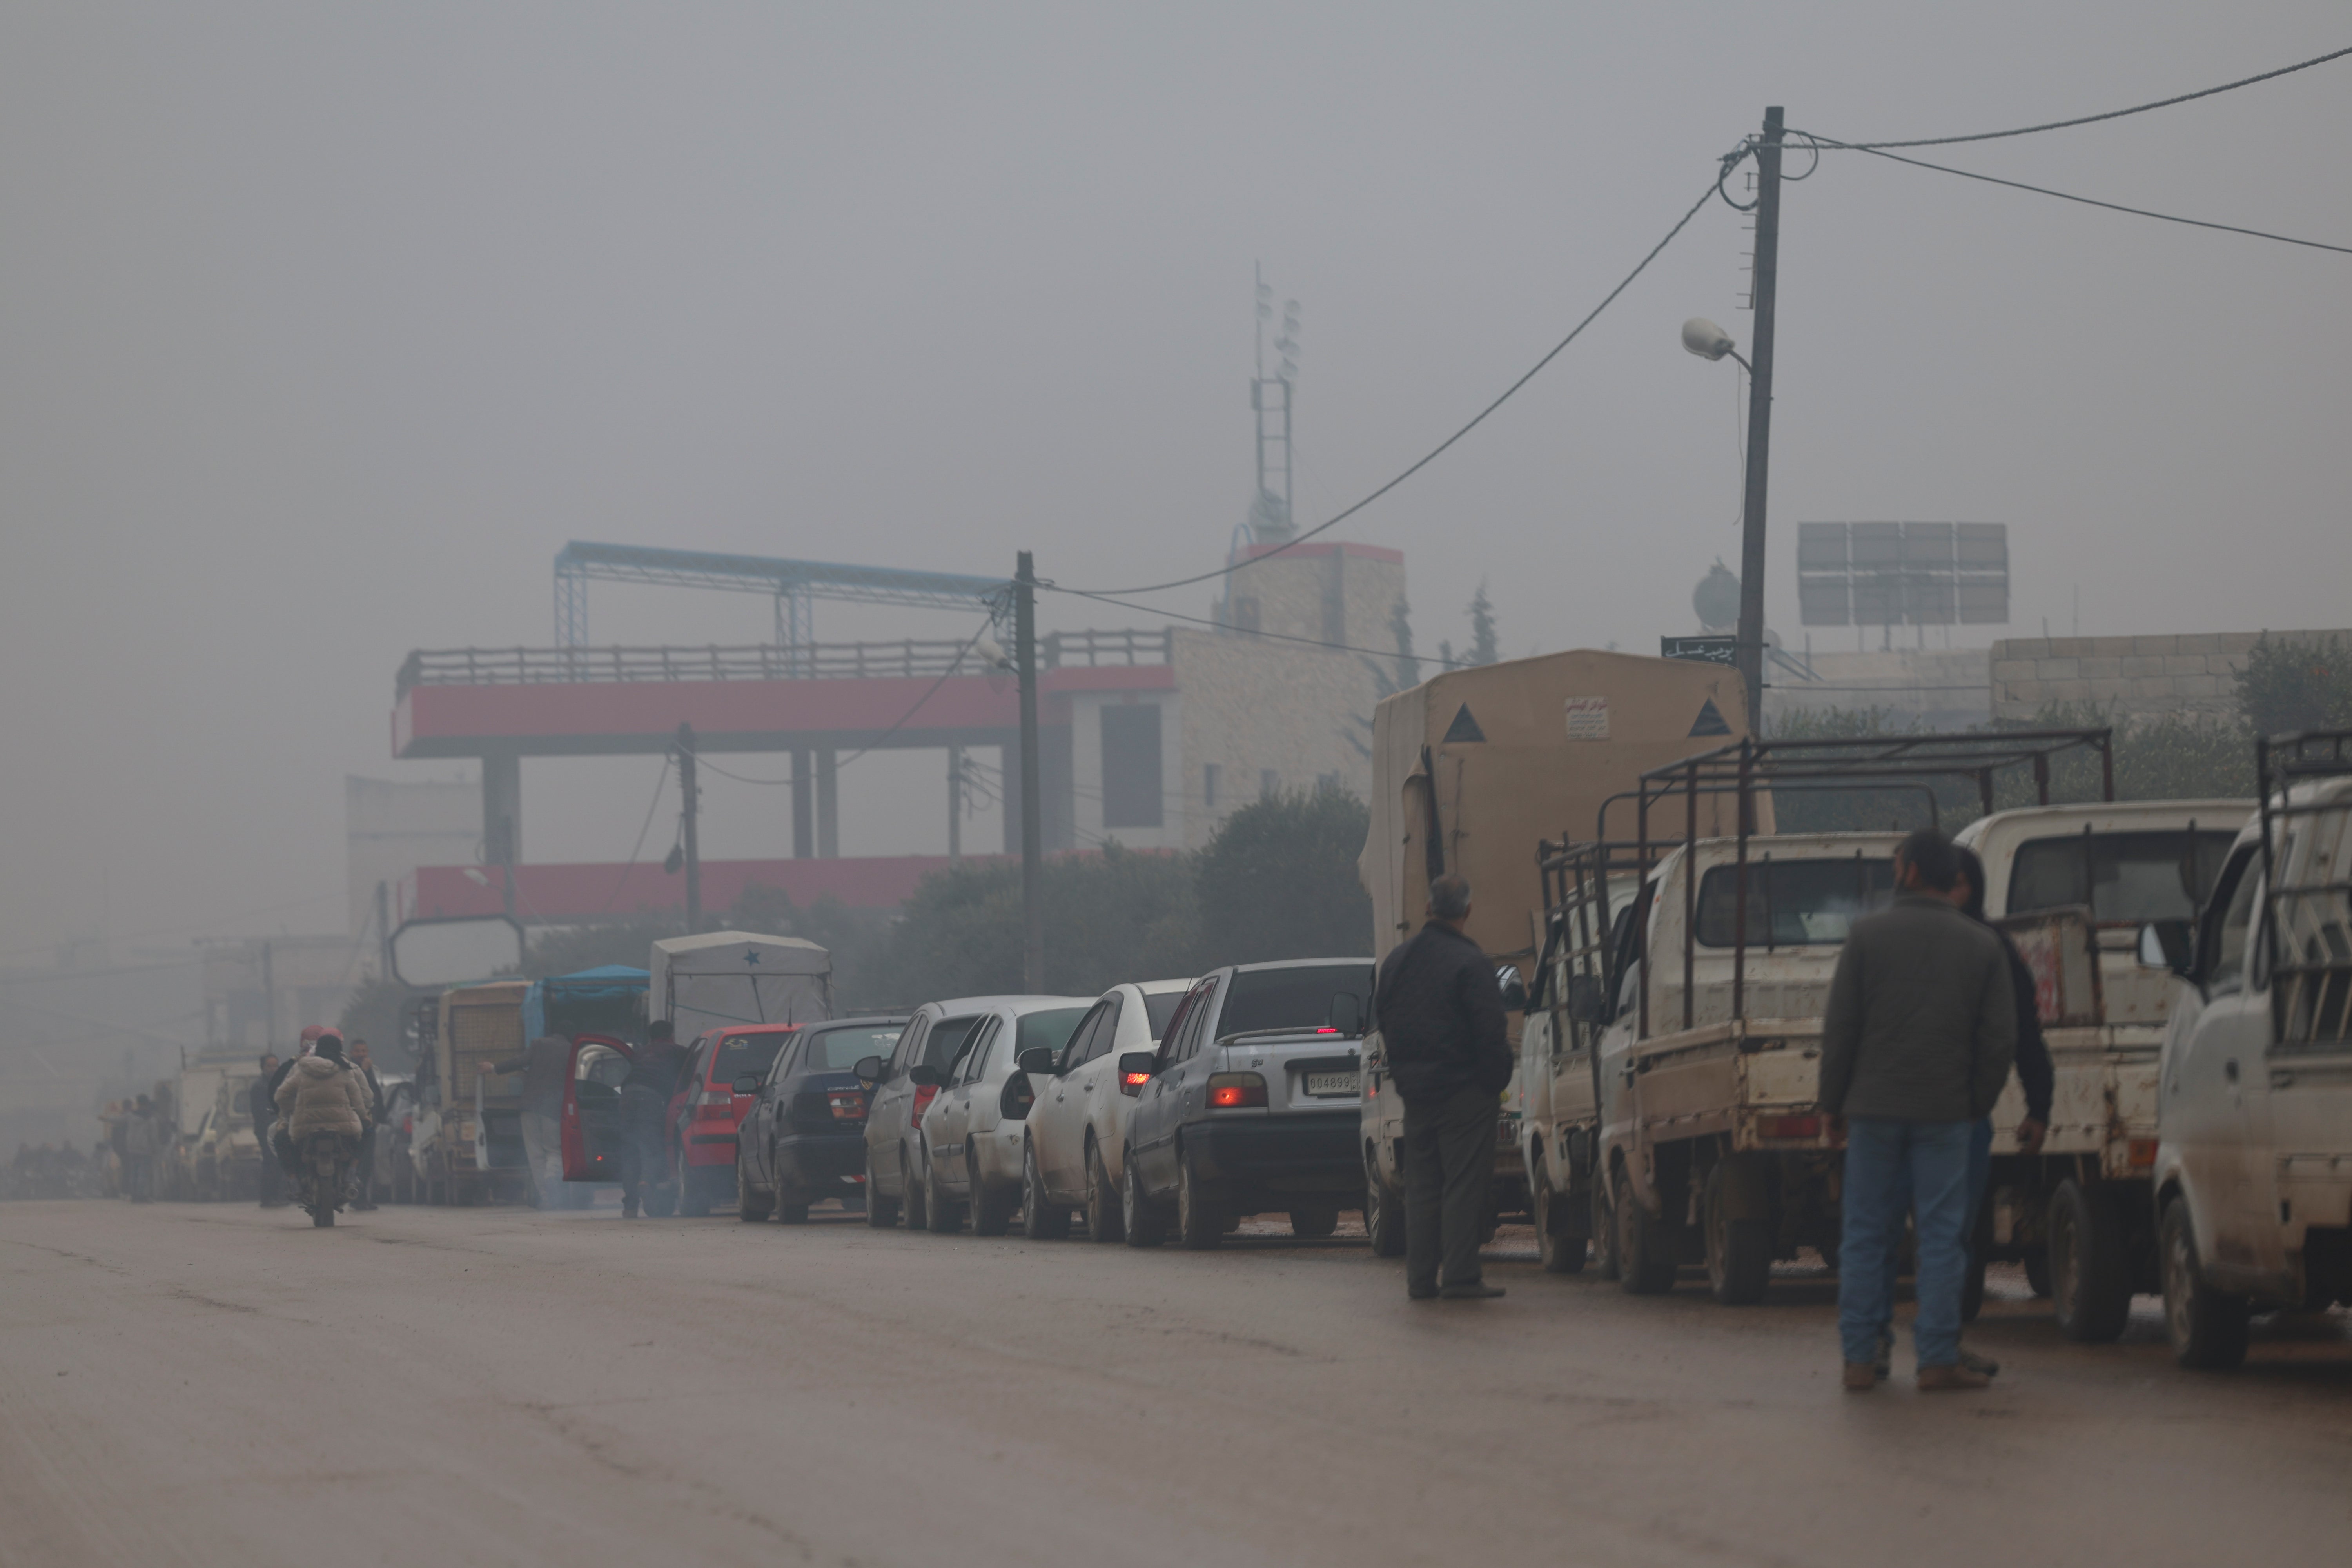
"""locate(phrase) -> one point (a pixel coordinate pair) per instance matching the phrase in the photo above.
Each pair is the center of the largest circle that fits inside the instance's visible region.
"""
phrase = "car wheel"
(1738, 1250)
(2090, 1278)
(940, 1215)
(1559, 1254)
(881, 1212)
(991, 1208)
(1139, 1221)
(1383, 1213)
(693, 1197)
(2207, 1329)
(1199, 1218)
(1040, 1220)
(1604, 1228)
(1645, 1265)
(1313, 1224)
(752, 1205)
(1104, 1221)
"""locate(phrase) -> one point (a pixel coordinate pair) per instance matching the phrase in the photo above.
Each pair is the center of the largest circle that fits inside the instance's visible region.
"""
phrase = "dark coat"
(2035, 1072)
(265, 1104)
(1441, 1017)
(1921, 1023)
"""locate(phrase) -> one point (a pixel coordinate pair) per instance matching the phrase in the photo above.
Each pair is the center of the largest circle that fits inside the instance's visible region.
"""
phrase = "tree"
(1483, 648)
(1280, 880)
(2289, 685)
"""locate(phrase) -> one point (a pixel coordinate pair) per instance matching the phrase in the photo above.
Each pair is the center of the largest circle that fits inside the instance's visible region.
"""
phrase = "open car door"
(590, 1120)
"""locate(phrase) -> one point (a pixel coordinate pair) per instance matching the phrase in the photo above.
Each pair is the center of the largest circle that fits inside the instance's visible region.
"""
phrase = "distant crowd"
(123, 1164)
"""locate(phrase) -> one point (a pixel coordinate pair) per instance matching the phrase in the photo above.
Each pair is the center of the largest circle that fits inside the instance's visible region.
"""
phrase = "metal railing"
(765, 661)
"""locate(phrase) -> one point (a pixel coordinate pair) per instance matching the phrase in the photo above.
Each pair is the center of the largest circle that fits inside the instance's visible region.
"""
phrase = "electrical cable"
(1225, 626)
(1729, 161)
(2092, 119)
(635, 849)
(2086, 201)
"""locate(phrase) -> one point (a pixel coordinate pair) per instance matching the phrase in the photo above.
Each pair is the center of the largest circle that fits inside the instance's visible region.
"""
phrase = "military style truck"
(1467, 769)
(467, 1144)
(1672, 1059)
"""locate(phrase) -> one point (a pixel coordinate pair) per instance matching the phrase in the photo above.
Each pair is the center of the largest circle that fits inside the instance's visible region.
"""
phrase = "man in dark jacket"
(1917, 1042)
(263, 1098)
(363, 1168)
(1449, 1055)
(644, 1105)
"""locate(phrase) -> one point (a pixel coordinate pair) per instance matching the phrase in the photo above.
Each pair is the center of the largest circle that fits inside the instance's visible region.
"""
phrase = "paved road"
(210, 1385)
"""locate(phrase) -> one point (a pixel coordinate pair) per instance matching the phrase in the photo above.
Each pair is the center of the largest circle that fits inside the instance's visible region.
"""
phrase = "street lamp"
(1709, 341)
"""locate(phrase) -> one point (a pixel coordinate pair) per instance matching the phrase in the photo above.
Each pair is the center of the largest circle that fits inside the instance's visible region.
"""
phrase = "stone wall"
(1254, 708)
(2134, 676)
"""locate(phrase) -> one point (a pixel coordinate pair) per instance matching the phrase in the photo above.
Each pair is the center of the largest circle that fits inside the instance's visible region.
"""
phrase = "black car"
(803, 1139)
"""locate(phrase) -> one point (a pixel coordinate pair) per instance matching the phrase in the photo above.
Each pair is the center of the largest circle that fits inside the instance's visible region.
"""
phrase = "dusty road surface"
(217, 1384)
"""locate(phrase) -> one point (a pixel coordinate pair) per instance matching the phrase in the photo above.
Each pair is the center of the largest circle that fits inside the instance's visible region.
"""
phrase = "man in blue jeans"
(1917, 1042)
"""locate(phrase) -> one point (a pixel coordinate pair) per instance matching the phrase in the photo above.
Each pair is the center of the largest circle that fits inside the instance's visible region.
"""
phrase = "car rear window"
(1793, 903)
(838, 1050)
(2128, 879)
(1307, 997)
(1159, 1009)
(1051, 1029)
(949, 1036)
(740, 1054)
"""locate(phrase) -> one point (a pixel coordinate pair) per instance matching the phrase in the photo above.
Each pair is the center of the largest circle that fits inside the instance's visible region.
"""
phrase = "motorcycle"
(327, 1161)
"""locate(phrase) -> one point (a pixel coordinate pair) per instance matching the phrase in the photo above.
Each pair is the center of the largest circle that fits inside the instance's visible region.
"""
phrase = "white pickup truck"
(2252, 1174)
(2074, 885)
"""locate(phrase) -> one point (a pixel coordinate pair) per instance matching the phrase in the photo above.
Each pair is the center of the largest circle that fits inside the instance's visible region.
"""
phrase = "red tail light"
(848, 1105)
(923, 1093)
(714, 1102)
(1788, 1127)
(1236, 1090)
(2143, 1151)
(1132, 1083)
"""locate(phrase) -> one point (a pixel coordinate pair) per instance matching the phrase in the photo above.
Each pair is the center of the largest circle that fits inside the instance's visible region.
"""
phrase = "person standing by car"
(264, 1103)
(363, 1173)
(1440, 1018)
(1917, 1041)
(645, 1104)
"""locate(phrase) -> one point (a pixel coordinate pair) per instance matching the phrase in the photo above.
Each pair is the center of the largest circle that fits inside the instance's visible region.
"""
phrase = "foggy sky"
(322, 327)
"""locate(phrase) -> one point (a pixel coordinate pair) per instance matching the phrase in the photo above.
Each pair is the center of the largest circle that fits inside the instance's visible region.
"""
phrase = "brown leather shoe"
(1951, 1379)
(1861, 1377)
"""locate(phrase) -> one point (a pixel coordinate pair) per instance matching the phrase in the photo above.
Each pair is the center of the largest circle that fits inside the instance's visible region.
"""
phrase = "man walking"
(363, 1168)
(645, 1106)
(1917, 1042)
(1449, 1055)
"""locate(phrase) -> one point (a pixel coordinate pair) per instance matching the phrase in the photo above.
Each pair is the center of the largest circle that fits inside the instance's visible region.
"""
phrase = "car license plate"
(1332, 1083)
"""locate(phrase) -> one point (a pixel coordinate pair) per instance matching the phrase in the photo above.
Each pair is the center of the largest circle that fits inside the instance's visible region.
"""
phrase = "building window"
(1209, 786)
(1268, 785)
(1130, 767)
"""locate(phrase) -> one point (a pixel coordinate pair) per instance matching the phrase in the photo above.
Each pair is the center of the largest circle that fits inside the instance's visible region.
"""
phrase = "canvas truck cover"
(1525, 751)
(605, 996)
(727, 977)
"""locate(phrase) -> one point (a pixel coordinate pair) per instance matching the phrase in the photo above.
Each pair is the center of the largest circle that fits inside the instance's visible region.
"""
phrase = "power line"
(626, 866)
(2086, 201)
(2092, 119)
(1438, 450)
(1384, 653)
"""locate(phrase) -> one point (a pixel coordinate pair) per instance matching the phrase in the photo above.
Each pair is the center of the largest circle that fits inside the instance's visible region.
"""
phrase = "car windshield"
(1049, 1029)
(1310, 996)
(838, 1050)
(2128, 879)
(1159, 1010)
(1793, 903)
(740, 1054)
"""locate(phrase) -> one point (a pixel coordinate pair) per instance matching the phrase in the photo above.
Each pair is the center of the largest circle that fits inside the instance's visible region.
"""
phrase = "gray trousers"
(1449, 1163)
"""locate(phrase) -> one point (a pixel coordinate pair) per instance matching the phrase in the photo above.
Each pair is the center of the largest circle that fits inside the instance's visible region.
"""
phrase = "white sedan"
(1078, 1126)
(969, 1152)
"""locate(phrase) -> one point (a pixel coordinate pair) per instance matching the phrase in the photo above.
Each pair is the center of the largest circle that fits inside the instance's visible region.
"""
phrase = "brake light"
(2143, 1151)
(1788, 1127)
(923, 1093)
(1017, 1098)
(1132, 1084)
(848, 1105)
(1326, 1029)
(1236, 1090)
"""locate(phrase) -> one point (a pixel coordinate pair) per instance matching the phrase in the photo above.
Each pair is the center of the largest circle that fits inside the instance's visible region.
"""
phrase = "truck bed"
(1756, 1079)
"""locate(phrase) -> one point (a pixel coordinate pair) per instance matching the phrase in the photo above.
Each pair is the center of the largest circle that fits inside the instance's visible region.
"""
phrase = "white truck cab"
(2253, 1174)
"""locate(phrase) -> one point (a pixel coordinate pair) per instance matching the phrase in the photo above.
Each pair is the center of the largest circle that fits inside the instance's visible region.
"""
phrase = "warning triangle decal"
(1464, 728)
(1708, 723)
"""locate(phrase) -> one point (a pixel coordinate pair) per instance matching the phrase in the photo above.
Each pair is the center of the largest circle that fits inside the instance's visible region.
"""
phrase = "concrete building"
(260, 992)
(391, 826)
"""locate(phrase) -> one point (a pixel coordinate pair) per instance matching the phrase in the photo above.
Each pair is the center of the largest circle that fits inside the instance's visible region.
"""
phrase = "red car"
(706, 1110)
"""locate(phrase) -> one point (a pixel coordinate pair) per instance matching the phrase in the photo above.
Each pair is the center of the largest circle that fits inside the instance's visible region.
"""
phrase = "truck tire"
(1738, 1248)
(2090, 1271)
(1139, 1221)
(1645, 1257)
(2206, 1328)
(1559, 1254)
(1604, 1229)
(881, 1212)
(1383, 1213)
(1199, 1218)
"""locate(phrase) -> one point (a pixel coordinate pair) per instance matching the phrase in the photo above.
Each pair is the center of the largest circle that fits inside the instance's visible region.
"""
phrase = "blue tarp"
(605, 982)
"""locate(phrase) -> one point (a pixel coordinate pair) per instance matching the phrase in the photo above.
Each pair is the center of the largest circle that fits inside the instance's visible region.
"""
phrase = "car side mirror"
(2165, 944)
(1588, 1000)
(923, 1075)
(1036, 1059)
(1135, 1064)
(748, 1084)
(869, 1070)
(1513, 988)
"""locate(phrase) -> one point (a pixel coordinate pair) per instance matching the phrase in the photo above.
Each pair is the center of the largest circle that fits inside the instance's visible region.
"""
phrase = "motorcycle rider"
(322, 1094)
(645, 1106)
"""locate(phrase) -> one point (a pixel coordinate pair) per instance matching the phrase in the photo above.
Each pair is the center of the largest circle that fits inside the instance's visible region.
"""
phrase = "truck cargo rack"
(2307, 929)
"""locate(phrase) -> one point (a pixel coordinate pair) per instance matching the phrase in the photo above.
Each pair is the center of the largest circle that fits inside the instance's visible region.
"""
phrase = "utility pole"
(1749, 650)
(955, 803)
(1024, 656)
(693, 797)
(384, 930)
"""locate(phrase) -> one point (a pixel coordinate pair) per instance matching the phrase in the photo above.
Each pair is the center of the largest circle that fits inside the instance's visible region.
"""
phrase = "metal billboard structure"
(1903, 573)
(796, 586)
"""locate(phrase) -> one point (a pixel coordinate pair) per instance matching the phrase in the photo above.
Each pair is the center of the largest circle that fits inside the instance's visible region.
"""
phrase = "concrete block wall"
(1253, 706)
(2191, 673)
